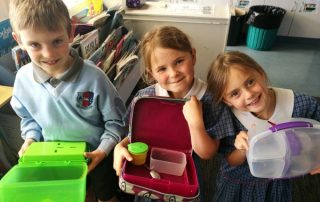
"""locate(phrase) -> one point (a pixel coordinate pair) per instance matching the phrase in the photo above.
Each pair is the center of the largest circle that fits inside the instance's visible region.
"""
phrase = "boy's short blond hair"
(38, 14)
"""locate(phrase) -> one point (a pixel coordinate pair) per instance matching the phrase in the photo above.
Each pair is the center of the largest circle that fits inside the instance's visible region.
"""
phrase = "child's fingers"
(92, 165)
(245, 146)
(315, 171)
(21, 151)
(118, 160)
(127, 155)
(96, 157)
(24, 147)
(241, 145)
(241, 141)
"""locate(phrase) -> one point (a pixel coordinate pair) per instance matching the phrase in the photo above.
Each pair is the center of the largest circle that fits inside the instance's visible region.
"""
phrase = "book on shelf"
(123, 45)
(124, 67)
(118, 49)
(113, 39)
(107, 46)
(117, 18)
(20, 57)
(76, 40)
(97, 56)
(83, 18)
(82, 23)
(81, 29)
(98, 20)
(89, 43)
(111, 73)
(108, 62)
(128, 38)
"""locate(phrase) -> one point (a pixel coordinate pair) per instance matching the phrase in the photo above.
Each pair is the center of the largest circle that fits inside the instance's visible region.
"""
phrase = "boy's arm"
(30, 129)
(113, 113)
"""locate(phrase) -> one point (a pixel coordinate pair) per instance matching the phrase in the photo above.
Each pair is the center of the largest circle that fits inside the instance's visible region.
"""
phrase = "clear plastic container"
(167, 161)
(285, 150)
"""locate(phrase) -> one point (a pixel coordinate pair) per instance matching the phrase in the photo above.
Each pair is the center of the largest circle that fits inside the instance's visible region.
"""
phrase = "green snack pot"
(139, 151)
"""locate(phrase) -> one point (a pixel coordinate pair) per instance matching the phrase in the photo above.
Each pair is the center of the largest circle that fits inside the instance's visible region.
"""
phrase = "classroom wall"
(4, 8)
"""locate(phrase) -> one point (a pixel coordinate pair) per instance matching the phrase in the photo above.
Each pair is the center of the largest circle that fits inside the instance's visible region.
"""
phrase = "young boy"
(59, 96)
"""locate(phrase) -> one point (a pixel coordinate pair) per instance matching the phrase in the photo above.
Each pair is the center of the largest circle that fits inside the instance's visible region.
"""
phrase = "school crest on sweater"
(84, 99)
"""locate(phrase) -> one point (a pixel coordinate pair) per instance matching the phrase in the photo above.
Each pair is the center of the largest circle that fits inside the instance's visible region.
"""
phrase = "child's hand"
(120, 153)
(241, 141)
(315, 171)
(25, 145)
(96, 157)
(192, 111)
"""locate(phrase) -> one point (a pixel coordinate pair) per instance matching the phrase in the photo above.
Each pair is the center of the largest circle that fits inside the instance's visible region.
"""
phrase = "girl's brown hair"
(164, 37)
(219, 71)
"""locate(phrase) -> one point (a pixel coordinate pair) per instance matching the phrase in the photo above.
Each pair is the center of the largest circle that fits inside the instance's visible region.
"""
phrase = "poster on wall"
(243, 3)
(310, 6)
(6, 40)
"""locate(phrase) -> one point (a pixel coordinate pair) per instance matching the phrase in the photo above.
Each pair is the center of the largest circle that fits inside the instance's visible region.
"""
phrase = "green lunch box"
(47, 172)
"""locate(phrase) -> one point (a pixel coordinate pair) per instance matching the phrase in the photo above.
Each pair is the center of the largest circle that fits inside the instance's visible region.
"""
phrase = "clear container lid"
(280, 151)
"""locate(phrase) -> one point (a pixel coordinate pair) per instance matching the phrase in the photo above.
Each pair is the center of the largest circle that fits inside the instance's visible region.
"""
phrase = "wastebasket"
(235, 28)
(264, 22)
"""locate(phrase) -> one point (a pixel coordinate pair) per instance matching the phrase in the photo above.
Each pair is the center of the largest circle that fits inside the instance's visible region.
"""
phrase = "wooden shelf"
(5, 94)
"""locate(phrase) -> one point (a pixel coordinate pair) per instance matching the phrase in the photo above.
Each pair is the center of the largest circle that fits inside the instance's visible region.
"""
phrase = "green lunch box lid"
(137, 147)
(54, 152)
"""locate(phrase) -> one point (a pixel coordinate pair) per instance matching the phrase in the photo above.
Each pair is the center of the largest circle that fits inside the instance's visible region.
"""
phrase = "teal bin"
(261, 39)
(47, 172)
(264, 22)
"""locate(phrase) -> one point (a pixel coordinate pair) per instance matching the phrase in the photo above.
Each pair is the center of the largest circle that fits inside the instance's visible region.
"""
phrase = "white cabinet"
(208, 32)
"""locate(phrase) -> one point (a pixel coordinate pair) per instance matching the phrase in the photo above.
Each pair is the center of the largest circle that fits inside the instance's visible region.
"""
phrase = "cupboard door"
(301, 20)
(305, 25)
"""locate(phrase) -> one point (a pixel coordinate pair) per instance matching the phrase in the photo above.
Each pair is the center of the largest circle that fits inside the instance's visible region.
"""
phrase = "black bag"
(265, 17)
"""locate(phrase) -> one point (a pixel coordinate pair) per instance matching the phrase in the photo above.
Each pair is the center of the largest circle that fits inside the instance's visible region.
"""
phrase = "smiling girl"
(169, 60)
(242, 84)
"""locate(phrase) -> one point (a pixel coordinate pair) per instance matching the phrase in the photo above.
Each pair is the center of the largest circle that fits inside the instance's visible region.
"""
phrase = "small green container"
(139, 151)
(47, 172)
(261, 39)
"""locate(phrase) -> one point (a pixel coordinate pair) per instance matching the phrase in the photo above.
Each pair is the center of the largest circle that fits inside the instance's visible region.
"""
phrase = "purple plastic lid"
(293, 124)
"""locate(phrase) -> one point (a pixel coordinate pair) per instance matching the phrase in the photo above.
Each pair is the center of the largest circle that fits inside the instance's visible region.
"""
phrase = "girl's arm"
(202, 143)
(120, 153)
(238, 156)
